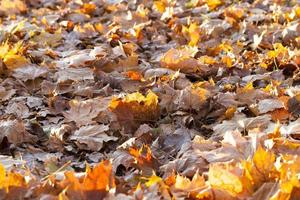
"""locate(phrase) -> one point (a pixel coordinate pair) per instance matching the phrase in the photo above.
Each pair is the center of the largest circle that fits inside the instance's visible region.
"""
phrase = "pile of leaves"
(169, 99)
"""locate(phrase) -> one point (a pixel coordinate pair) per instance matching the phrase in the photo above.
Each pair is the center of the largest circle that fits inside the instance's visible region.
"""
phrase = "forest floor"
(139, 99)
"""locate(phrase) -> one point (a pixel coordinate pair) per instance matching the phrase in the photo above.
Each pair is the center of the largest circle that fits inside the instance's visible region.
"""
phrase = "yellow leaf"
(9, 179)
(279, 50)
(261, 168)
(15, 61)
(185, 184)
(194, 33)
(2, 176)
(212, 4)
(153, 180)
(264, 160)
(142, 156)
(229, 178)
(150, 99)
(160, 6)
(234, 12)
(297, 11)
(227, 60)
(4, 49)
(207, 60)
(289, 178)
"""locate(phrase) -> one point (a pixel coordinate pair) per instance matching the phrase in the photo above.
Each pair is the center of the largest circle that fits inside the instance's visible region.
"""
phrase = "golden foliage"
(12, 55)
(10, 179)
(135, 108)
(180, 59)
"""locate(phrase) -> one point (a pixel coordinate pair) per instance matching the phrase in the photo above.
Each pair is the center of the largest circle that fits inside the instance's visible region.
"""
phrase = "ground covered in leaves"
(112, 99)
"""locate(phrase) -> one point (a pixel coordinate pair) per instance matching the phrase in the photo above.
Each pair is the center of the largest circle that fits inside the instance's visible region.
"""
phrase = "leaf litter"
(170, 99)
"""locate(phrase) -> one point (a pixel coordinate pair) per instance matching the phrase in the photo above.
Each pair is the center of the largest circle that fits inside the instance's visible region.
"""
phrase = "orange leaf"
(142, 155)
(95, 184)
(180, 59)
(280, 114)
(99, 177)
(88, 8)
(133, 75)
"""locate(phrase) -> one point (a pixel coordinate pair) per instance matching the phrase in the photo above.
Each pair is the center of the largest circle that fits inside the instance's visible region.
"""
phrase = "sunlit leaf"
(229, 178)
(180, 59)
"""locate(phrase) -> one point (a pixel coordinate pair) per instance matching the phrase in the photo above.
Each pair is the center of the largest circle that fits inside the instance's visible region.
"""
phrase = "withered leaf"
(92, 137)
(14, 131)
(74, 74)
(83, 112)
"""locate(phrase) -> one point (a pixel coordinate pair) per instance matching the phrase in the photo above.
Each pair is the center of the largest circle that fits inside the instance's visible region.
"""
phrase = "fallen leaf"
(14, 131)
(74, 74)
(267, 105)
(92, 137)
(13, 6)
(229, 178)
(29, 72)
(135, 108)
(180, 59)
(83, 112)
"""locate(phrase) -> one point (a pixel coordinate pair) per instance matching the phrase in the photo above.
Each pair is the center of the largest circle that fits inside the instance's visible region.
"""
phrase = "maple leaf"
(11, 180)
(144, 159)
(12, 55)
(92, 137)
(195, 188)
(180, 59)
(135, 109)
(221, 72)
(229, 178)
(262, 167)
(193, 32)
(83, 112)
(95, 184)
(289, 182)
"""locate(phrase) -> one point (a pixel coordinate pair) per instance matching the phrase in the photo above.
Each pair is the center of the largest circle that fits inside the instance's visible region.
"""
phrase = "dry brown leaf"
(14, 131)
(92, 137)
(6, 94)
(30, 72)
(267, 105)
(83, 112)
(74, 74)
